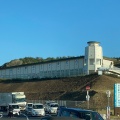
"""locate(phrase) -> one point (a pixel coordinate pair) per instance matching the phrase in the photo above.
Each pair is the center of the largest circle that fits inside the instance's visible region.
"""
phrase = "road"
(21, 117)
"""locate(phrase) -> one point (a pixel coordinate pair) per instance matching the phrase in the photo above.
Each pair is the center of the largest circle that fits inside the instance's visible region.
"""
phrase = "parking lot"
(22, 116)
(47, 107)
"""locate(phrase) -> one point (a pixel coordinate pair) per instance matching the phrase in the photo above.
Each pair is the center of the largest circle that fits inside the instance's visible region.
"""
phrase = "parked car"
(47, 103)
(79, 113)
(28, 108)
(38, 109)
(29, 111)
(15, 107)
(51, 107)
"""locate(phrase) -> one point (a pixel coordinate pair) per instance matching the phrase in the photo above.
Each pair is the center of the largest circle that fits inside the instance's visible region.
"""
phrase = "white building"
(94, 58)
(68, 67)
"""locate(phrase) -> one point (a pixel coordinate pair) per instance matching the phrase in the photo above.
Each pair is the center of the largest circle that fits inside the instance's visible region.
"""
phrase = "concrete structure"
(68, 67)
(93, 57)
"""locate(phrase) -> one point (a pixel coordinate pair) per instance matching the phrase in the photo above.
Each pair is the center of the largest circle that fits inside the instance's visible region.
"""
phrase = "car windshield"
(54, 105)
(37, 106)
(29, 105)
(20, 100)
(15, 106)
(85, 115)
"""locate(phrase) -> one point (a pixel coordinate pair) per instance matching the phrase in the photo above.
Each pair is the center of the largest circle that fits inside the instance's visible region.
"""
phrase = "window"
(37, 106)
(15, 106)
(85, 115)
(92, 62)
(96, 116)
(41, 66)
(49, 65)
(54, 105)
(66, 62)
(98, 61)
(85, 62)
(18, 69)
(33, 68)
(76, 62)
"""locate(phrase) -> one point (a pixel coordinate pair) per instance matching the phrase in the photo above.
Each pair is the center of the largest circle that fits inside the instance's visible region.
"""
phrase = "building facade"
(68, 67)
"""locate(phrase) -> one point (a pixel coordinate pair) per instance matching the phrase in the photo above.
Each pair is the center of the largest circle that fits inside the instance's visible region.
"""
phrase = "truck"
(12, 97)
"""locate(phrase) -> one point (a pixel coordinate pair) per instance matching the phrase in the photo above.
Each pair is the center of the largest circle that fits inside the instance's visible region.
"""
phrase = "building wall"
(63, 68)
(107, 63)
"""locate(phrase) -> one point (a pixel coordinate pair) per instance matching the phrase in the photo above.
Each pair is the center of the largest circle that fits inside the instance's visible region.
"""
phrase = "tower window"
(91, 61)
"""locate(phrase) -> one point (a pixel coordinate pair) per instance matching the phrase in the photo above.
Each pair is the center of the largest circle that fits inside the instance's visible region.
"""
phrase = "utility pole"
(87, 96)
(108, 106)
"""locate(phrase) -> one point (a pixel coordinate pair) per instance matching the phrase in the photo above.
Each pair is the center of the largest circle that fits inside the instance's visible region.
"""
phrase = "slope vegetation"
(65, 88)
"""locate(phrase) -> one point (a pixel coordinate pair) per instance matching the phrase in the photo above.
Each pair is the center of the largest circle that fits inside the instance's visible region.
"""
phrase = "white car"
(38, 109)
(52, 108)
(47, 104)
(16, 108)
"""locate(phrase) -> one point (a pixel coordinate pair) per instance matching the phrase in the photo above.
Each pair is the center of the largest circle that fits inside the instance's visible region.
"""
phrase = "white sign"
(87, 97)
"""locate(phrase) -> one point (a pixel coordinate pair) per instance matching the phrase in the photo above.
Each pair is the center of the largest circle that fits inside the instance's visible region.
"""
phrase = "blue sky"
(57, 28)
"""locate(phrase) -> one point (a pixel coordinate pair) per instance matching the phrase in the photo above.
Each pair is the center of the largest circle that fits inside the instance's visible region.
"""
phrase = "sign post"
(108, 106)
(87, 96)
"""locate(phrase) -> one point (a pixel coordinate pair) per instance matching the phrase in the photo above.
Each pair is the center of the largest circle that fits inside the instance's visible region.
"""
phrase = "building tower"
(93, 57)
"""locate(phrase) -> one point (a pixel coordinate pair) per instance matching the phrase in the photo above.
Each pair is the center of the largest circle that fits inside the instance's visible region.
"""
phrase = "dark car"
(75, 114)
(82, 114)
(59, 108)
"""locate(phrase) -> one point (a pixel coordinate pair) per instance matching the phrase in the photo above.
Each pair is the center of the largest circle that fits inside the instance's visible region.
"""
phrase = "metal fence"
(76, 104)
(68, 103)
(60, 102)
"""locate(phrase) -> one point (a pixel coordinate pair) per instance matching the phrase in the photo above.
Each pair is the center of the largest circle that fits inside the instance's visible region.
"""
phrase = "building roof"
(93, 42)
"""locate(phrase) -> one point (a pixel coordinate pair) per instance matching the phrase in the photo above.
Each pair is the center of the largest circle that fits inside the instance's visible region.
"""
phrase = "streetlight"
(108, 106)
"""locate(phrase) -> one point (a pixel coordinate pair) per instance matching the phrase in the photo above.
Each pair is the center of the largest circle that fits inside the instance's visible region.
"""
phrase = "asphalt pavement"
(22, 116)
